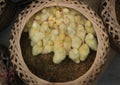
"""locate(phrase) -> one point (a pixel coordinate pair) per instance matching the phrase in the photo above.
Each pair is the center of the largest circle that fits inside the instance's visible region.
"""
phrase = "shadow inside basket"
(43, 66)
(117, 9)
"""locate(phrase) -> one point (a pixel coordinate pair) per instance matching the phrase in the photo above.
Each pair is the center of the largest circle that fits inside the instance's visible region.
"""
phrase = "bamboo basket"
(15, 48)
(110, 19)
(2, 5)
(7, 13)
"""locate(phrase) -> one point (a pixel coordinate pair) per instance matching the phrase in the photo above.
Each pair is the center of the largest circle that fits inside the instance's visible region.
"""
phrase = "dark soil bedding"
(43, 67)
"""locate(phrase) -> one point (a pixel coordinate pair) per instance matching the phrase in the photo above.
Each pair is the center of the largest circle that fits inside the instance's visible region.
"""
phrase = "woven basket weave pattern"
(2, 5)
(15, 50)
(109, 16)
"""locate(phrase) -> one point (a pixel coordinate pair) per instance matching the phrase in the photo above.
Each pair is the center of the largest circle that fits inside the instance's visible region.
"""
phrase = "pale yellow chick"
(81, 32)
(84, 52)
(59, 55)
(89, 28)
(67, 44)
(76, 42)
(74, 55)
(48, 47)
(37, 48)
(91, 41)
(34, 29)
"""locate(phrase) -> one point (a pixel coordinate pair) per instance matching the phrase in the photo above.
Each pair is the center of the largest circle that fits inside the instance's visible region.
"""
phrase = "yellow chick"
(81, 32)
(53, 10)
(65, 10)
(54, 33)
(48, 47)
(62, 27)
(44, 15)
(71, 18)
(67, 43)
(71, 30)
(32, 43)
(37, 36)
(73, 12)
(57, 43)
(76, 42)
(91, 41)
(45, 10)
(58, 14)
(37, 48)
(59, 55)
(61, 36)
(51, 21)
(89, 28)
(66, 19)
(47, 35)
(84, 52)
(74, 55)
(28, 24)
(44, 27)
(38, 18)
(80, 19)
(34, 29)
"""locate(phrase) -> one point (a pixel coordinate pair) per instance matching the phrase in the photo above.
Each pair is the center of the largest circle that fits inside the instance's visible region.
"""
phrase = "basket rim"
(109, 16)
(65, 5)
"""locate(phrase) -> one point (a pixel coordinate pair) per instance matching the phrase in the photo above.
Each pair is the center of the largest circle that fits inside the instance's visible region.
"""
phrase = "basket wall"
(109, 16)
(15, 49)
(2, 6)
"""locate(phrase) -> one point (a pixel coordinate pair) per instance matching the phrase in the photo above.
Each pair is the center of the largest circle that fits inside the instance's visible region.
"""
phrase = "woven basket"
(2, 6)
(113, 27)
(15, 48)
(7, 13)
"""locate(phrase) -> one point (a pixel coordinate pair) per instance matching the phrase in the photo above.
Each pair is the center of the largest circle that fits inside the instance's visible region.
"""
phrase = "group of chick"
(63, 31)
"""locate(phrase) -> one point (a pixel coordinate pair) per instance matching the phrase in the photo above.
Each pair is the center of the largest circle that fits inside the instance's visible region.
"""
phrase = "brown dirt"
(43, 67)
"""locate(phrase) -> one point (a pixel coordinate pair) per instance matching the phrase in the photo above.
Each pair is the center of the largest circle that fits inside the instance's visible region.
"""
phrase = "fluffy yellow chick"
(65, 10)
(37, 48)
(62, 27)
(34, 32)
(84, 52)
(71, 30)
(67, 43)
(44, 10)
(62, 36)
(89, 28)
(51, 21)
(37, 36)
(71, 18)
(73, 12)
(57, 43)
(54, 33)
(81, 32)
(48, 47)
(91, 41)
(59, 55)
(47, 35)
(76, 42)
(34, 29)
(80, 19)
(44, 16)
(38, 17)
(66, 19)
(53, 10)
(58, 14)
(28, 24)
(74, 55)
(44, 27)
